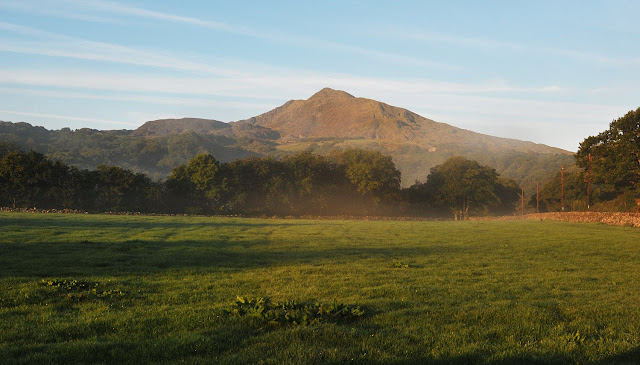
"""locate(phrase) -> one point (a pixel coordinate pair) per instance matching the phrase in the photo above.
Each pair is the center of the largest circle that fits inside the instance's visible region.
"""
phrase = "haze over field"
(547, 72)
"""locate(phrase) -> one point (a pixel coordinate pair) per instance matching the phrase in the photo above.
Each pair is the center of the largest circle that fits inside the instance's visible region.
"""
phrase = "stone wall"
(618, 219)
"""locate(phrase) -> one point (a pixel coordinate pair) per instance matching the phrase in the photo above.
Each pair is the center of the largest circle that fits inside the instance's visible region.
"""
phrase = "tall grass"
(432, 292)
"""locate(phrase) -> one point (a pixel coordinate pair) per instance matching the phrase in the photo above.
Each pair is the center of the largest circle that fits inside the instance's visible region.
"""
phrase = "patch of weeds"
(292, 312)
(80, 290)
(399, 265)
(69, 285)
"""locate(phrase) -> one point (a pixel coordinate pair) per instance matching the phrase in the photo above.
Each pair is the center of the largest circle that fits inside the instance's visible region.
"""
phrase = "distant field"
(433, 292)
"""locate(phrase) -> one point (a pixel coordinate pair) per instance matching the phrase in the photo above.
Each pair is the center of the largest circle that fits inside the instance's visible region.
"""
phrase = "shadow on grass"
(139, 256)
(219, 344)
(475, 359)
(176, 349)
(630, 357)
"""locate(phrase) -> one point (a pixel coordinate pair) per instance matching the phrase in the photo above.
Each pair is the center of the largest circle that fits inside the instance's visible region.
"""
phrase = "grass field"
(432, 292)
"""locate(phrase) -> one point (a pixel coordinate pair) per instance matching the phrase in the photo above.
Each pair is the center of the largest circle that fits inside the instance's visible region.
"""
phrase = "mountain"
(328, 121)
(333, 114)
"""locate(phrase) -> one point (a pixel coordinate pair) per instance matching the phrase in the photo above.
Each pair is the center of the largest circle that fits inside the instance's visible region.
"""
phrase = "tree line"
(350, 182)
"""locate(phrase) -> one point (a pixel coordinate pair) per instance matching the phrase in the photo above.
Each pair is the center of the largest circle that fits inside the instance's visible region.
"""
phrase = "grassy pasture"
(433, 292)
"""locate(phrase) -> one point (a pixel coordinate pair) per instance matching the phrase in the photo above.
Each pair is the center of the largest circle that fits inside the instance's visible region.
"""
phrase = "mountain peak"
(328, 92)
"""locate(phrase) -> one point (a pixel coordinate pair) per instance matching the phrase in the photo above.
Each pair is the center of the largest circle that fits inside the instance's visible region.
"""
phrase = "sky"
(552, 72)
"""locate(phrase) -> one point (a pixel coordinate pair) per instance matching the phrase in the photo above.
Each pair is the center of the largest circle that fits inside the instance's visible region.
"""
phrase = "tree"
(462, 185)
(372, 173)
(30, 179)
(615, 154)
(197, 185)
(202, 171)
(121, 190)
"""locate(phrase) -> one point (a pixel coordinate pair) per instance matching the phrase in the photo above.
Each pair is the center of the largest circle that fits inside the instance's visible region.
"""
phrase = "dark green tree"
(615, 154)
(202, 171)
(373, 174)
(463, 186)
(29, 179)
(197, 186)
(121, 190)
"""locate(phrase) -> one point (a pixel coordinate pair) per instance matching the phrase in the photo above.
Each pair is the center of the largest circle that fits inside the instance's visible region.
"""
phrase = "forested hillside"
(88, 148)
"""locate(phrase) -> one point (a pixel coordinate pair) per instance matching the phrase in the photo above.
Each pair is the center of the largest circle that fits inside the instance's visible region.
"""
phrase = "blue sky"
(552, 72)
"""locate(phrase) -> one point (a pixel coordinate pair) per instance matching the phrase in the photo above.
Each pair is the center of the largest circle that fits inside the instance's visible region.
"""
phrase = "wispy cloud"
(53, 9)
(58, 45)
(494, 44)
(194, 101)
(29, 31)
(296, 40)
(66, 117)
(259, 86)
(122, 9)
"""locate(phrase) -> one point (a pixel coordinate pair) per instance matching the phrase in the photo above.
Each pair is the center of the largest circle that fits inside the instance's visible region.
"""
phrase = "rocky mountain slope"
(334, 114)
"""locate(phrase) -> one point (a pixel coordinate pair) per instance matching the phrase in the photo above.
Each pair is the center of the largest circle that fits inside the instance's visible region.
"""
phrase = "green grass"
(432, 292)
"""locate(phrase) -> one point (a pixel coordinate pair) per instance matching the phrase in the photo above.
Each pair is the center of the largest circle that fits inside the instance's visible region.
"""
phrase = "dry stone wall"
(617, 219)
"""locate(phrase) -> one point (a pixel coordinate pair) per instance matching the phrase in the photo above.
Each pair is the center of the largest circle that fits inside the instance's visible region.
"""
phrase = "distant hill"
(166, 127)
(329, 120)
